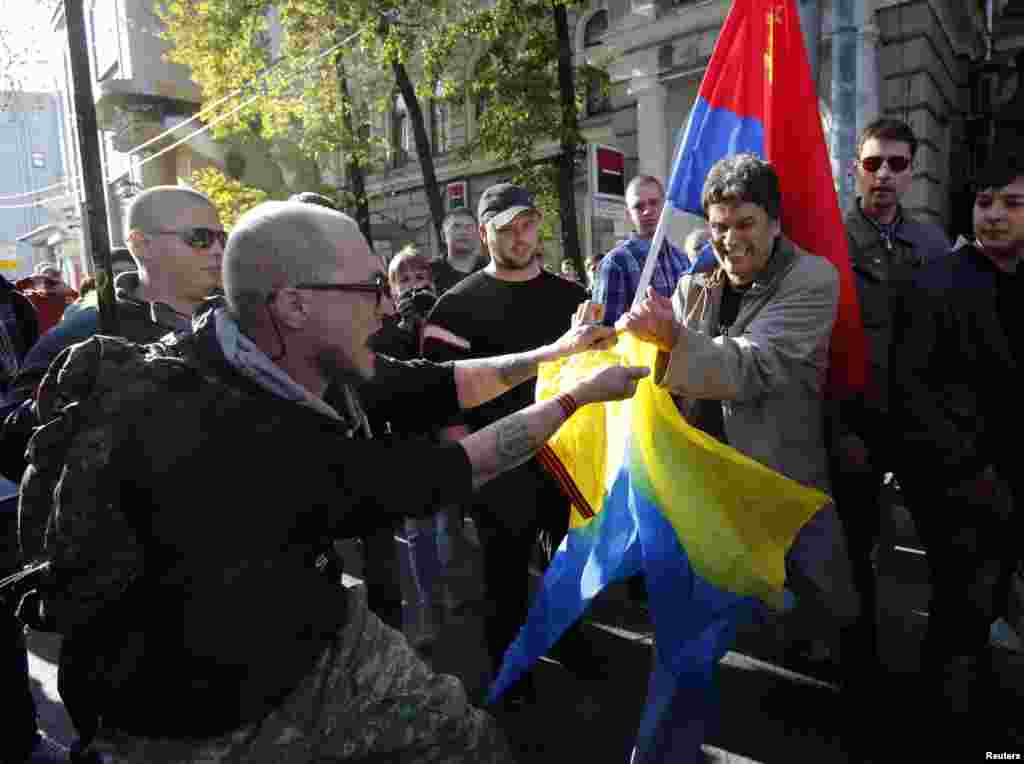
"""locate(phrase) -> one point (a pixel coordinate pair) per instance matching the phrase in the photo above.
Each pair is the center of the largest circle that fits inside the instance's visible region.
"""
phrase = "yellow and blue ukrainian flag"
(707, 526)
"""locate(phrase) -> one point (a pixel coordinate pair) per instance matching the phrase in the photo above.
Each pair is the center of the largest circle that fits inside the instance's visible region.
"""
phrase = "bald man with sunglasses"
(176, 240)
(887, 247)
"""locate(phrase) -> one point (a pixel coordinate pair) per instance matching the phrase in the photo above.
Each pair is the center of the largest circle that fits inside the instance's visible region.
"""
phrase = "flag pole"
(653, 253)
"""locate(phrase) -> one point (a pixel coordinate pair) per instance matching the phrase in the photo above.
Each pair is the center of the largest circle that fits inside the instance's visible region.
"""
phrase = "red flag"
(757, 95)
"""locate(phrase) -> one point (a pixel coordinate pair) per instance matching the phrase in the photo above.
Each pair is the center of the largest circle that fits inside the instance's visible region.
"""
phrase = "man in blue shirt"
(618, 275)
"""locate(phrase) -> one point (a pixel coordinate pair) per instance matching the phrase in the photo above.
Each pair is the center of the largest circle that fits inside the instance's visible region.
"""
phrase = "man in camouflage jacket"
(227, 645)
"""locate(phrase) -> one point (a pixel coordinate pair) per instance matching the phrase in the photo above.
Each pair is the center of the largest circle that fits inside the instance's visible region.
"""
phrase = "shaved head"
(279, 244)
(157, 207)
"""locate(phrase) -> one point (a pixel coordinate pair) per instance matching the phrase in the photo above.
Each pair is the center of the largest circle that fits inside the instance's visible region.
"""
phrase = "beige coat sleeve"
(786, 342)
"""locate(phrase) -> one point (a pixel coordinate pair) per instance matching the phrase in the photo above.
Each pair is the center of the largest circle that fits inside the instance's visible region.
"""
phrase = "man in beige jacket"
(745, 346)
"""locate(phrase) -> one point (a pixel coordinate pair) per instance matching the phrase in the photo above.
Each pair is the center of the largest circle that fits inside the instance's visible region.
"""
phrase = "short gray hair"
(280, 244)
(154, 207)
(461, 212)
(644, 180)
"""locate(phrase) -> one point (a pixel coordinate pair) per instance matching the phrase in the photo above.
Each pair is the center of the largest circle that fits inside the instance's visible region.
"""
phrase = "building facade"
(928, 62)
(30, 159)
(144, 109)
(947, 67)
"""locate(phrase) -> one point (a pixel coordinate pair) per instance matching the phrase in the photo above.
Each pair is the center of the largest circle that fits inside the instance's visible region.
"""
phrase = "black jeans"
(382, 571)
(19, 717)
(857, 494)
(531, 513)
(971, 554)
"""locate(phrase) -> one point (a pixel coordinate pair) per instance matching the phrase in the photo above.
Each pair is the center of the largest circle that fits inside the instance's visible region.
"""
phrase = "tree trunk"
(570, 131)
(426, 157)
(354, 168)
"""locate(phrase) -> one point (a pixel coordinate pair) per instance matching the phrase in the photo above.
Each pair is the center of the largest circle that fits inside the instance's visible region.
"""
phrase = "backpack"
(83, 549)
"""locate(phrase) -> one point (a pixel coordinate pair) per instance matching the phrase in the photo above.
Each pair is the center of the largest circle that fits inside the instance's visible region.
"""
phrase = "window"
(598, 96)
(440, 125)
(106, 33)
(401, 139)
(482, 101)
(594, 31)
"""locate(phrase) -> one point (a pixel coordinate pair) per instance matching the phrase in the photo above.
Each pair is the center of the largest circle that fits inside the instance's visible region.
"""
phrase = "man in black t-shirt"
(510, 305)
(463, 251)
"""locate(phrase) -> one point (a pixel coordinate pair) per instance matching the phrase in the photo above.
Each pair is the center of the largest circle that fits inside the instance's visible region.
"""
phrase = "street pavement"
(770, 712)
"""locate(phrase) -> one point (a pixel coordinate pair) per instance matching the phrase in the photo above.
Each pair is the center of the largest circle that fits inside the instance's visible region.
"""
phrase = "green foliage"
(231, 197)
(516, 82)
(226, 44)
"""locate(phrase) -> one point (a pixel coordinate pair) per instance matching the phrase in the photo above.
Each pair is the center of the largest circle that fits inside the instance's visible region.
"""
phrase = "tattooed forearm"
(480, 380)
(516, 369)
(511, 441)
(514, 442)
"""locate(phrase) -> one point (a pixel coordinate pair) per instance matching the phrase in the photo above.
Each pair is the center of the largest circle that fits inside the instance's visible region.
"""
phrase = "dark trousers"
(383, 574)
(858, 504)
(19, 717)
(857, 493)
(972, 552)
(528, 512)
(19, 707)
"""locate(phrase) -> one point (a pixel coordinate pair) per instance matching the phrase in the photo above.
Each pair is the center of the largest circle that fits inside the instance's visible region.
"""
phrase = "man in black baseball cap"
(502, 202)
(509, 227)
(512, 303)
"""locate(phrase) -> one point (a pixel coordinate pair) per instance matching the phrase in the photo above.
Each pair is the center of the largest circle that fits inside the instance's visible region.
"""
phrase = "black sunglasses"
(199, 237)
(378, 285)
(874, 164)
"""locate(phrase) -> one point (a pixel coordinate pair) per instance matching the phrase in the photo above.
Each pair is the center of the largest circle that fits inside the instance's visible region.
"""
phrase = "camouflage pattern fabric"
(68, 511)
(370, 699)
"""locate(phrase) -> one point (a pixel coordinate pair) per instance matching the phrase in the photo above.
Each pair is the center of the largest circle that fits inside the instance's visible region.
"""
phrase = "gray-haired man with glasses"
(243, 650)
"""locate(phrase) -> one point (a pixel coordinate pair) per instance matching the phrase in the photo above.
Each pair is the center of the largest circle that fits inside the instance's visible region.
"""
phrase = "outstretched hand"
(652, 320)
(584, 337)
(614, 383)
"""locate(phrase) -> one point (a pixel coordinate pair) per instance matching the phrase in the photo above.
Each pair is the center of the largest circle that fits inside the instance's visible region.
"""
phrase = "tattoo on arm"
(515, 444)
(515, 369)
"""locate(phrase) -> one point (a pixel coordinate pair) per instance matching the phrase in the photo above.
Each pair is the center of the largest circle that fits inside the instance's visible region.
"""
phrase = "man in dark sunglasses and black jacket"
(886, 248)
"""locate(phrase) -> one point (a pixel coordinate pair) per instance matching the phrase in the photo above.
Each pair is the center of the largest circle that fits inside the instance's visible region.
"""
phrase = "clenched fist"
(652, 320)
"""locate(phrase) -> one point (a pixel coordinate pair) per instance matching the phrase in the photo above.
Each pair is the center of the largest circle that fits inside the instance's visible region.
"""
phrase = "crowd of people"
(306, 357)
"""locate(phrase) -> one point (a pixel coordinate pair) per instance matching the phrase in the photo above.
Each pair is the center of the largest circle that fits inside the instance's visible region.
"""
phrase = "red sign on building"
(611, 171)
(456, 193)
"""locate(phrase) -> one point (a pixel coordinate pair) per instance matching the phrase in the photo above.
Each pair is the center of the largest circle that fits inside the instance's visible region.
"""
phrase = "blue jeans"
(427, 549)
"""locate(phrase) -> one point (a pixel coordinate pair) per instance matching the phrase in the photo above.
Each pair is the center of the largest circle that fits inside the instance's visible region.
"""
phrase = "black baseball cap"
(502, 202)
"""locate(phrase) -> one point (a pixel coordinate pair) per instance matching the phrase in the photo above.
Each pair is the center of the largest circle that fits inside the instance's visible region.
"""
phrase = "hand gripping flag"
(707, 526)
(757, 96)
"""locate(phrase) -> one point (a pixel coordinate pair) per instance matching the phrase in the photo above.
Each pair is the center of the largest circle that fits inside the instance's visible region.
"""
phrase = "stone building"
(144, 109)
(933, 63)
(30, 159)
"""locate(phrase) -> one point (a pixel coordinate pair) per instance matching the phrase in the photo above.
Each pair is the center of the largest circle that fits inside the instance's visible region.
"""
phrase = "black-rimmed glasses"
(874, 164)
(198, 237)
(377, 285)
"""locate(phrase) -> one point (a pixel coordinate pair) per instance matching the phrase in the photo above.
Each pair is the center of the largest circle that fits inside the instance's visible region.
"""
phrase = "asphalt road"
(770, 713)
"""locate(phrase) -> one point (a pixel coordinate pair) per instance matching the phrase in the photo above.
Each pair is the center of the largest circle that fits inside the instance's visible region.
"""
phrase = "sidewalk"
(769, 714)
